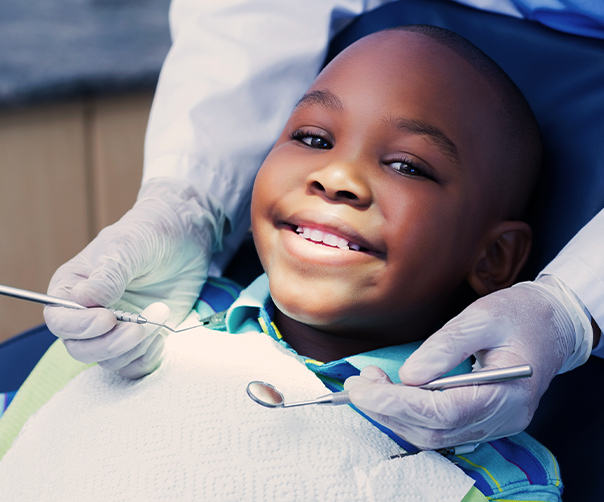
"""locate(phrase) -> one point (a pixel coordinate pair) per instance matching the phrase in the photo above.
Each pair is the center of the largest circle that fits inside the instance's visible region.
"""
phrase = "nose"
(341, 182)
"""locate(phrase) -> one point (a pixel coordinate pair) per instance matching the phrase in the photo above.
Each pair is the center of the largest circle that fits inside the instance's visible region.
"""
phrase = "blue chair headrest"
(561, 76)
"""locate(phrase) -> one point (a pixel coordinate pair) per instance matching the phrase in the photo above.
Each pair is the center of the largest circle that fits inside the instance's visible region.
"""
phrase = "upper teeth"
(326, 238)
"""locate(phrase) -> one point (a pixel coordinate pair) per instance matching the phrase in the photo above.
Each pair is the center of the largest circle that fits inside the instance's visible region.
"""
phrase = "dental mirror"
(267, 395)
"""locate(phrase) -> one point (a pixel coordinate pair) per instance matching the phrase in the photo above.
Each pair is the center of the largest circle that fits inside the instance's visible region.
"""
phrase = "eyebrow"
(329, 100)
(326, 99)
(436, 135)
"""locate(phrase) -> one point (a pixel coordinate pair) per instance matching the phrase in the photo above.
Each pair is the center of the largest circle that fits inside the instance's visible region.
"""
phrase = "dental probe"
(214, 321)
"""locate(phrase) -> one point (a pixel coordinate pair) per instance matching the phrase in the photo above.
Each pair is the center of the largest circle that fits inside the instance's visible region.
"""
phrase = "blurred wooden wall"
(67, 170)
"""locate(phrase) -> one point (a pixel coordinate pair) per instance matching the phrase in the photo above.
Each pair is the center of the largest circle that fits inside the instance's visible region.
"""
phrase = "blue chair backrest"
(561, 76)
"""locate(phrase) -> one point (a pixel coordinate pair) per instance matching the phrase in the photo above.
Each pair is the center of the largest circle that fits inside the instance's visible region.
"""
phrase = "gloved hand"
(144, 357)
(159, 251)
(527, 323)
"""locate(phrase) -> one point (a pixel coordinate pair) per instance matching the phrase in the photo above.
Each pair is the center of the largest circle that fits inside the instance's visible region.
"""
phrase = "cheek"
(267, 189)
(262, 202)
(278, 175)
(415, 215)
(276, 180)
(428, 237)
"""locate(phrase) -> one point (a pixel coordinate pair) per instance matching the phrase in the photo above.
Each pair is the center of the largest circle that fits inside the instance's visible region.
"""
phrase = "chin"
(313, 315)
(308, 307)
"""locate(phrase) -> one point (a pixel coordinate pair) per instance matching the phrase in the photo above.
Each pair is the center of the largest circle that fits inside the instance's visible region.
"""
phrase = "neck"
(316, 344)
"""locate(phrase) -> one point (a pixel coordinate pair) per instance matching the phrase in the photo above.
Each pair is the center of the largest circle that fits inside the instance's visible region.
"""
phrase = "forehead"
(411, 78)
(395, 59)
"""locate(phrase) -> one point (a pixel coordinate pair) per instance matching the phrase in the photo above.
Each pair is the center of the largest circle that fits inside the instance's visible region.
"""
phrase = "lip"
(332, 224)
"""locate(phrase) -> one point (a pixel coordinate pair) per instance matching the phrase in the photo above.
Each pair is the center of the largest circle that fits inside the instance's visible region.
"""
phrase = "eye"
(311, 139)
(411, 168)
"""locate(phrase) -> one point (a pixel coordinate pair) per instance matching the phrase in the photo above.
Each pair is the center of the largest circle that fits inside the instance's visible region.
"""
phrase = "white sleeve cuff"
(580, 318)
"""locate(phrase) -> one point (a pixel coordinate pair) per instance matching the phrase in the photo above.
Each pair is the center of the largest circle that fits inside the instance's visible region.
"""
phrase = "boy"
(397, 184)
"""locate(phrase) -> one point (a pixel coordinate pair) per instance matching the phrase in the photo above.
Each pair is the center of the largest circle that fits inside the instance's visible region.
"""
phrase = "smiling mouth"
(327, 239)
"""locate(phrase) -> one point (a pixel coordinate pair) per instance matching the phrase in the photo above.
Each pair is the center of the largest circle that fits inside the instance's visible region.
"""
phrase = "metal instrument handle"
(480, 377)
(32, 296)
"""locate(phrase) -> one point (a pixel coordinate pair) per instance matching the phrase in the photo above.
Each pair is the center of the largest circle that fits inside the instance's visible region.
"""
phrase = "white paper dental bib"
(190, 432)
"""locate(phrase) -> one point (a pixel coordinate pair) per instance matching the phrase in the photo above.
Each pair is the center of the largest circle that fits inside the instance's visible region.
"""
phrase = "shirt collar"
(247, 307)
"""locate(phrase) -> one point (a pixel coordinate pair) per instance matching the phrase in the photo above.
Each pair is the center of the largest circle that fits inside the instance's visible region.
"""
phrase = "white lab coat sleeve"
(233, 75)
(579, 17)
(580, 266)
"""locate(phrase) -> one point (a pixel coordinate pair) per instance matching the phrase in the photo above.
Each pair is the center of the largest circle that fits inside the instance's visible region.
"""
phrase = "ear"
(504, 253)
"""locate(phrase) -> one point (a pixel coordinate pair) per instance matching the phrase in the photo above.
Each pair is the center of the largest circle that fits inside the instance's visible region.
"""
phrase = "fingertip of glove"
(415, 375)
(410, 376)
(426, 364)
(355, 382)
(157, 312)
(367, 394)
(375, 374)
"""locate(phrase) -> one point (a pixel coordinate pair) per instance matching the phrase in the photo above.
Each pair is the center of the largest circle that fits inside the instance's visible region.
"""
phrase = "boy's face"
(369, 211)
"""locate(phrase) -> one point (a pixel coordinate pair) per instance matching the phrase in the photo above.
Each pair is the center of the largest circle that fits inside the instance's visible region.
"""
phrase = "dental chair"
(562, 77)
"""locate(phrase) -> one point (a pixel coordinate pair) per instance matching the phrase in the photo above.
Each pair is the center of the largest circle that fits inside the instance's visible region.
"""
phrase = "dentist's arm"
(547, 323)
